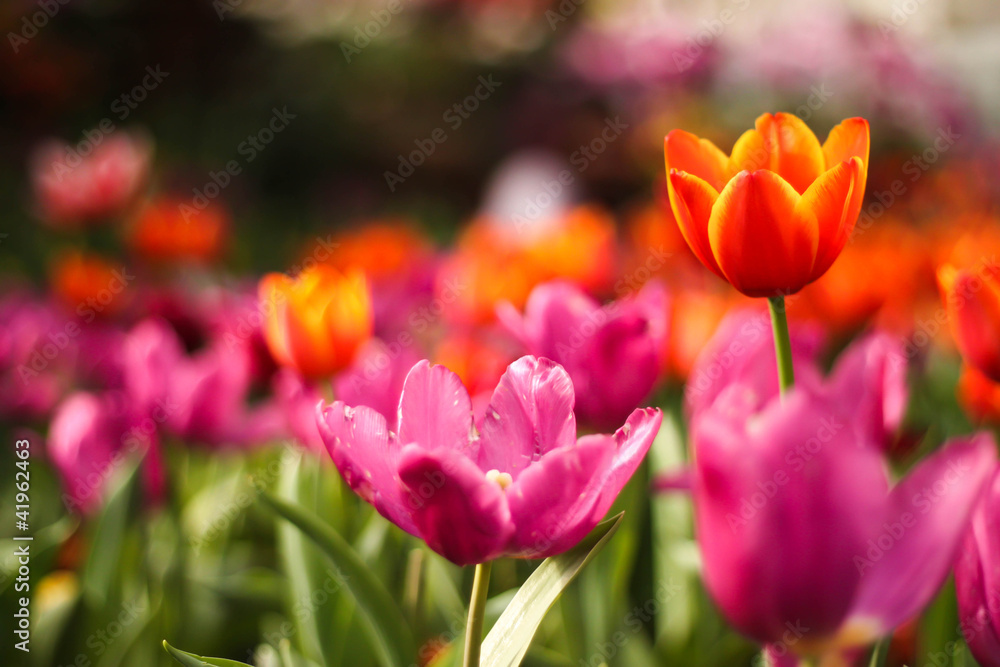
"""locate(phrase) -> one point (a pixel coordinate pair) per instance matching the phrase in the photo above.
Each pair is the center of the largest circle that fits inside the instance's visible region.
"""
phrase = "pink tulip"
(799, 525)
(72, 188)
(613, 353)
(977, 580)
(204, 394)
(91, 437)
(37, 351)
(868, 379)
(522, 485)
(742, 350)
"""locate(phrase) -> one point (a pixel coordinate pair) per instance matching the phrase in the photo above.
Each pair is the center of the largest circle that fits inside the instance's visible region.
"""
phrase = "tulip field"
(461, 333)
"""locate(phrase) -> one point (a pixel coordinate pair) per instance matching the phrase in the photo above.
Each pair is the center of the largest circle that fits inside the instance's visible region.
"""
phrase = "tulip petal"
(847, 140)
(435, 409)
(552, 501)
(977, 580)
(907, 560)
(686, 152)
(691, 200)
(365, 453)
(831, 206)
(973, 303)
(762, 247)
(632, 441)
(271, 293)
(530, 413)
(870, 381)
(783, 144)
(791, 476)
(459, 512)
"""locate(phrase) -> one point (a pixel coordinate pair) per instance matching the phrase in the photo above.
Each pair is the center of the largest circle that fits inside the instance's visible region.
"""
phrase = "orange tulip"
(316, 321)
(164, 233)
(972, 299)
(90, 285)
(772, 217)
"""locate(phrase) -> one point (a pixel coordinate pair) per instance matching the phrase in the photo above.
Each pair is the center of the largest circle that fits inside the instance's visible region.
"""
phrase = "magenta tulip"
(742, 350)
(977, 579)
(868, 380)
(522, 485)
(613, 353)
(799, 525)
(203, 395)
(91, 437)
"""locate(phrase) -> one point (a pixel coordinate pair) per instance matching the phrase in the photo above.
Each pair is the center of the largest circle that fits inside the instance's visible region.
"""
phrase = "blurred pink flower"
(798, 525)
(205, 392)
(977, 580)
(91, 437)
(613, 353)
(868, 380)
(520, 486)
(742, 350)
(73, 187)
(37, 352)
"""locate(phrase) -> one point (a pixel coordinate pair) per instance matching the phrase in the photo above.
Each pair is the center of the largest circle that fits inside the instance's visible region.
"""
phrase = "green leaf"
(104, 563)
(384, 621)
(880, 653)
(192, 660)
(508, 641)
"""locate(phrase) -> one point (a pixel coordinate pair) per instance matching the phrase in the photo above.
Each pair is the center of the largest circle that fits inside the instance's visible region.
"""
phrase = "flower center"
(502, 478)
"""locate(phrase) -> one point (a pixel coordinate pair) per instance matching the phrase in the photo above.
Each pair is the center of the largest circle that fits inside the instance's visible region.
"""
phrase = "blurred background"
(459, 152)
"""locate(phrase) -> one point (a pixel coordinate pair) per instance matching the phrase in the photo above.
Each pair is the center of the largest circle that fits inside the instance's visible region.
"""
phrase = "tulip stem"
(477, 612)
(782, 344)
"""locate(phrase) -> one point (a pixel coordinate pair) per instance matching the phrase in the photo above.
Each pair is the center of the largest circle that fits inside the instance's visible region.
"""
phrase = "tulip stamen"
(503, 479)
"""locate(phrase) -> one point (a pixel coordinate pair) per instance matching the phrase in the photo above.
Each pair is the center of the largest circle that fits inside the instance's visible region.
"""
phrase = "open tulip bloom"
(800, 528)
(523, 486)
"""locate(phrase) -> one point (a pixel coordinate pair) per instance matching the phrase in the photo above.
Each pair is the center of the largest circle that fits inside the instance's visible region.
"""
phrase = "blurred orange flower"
(883, 275)
(316, 321)
(979, 396)
(382, 249)
(772, 217)
(696, 315)
(166, 232)
(972, 298)
(493, 263)
(89, 285)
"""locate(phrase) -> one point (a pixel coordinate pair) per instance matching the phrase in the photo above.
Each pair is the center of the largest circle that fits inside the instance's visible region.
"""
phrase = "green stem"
(477, 612)
(782, 344)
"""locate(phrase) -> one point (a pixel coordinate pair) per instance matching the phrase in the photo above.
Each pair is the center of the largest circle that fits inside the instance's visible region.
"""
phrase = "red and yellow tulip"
(773, 216)
(316, 321)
